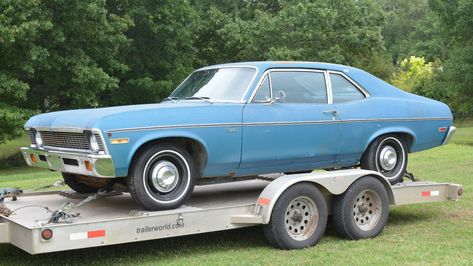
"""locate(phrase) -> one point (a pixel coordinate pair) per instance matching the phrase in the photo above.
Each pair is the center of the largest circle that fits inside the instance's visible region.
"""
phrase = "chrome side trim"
(451, 132)
(328, 84)
(282, 123)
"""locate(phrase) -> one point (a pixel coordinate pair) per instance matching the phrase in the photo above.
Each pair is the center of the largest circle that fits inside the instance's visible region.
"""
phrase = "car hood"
(110, 118)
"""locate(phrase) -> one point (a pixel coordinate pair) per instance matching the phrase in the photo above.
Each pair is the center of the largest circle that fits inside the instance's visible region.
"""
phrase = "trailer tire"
(298, 219)
(162, 177)
(361, 211)
(72, 180)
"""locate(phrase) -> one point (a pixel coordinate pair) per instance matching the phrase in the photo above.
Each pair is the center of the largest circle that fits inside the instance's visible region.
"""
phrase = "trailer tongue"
(115, 219)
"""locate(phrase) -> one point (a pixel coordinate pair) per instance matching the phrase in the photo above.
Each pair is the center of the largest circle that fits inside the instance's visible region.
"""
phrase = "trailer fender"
(335, 182)
(4, 232)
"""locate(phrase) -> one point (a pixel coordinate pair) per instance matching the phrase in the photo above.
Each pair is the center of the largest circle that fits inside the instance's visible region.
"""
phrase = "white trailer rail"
(115, 219)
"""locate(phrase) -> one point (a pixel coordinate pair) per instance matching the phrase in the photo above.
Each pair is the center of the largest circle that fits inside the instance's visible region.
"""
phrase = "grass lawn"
(437, 233)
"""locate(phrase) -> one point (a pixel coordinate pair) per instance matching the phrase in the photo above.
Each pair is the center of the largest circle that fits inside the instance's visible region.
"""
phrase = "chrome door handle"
(333, 112)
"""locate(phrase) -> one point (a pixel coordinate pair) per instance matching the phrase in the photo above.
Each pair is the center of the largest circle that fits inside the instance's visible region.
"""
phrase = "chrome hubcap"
(301, 218)
(164, 176)
(367, 210)
(388, 158)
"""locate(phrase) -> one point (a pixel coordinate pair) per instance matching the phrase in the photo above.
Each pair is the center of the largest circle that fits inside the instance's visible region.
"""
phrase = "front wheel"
(388, 156)
(162, 177)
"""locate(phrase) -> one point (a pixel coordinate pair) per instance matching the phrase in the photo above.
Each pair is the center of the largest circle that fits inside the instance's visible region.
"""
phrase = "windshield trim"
(245, 93)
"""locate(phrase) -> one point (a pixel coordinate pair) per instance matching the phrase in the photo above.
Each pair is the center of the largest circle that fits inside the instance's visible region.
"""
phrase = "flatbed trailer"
(115, 218)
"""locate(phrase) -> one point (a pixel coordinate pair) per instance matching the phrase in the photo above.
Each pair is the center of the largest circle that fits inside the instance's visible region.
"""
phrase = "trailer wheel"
(162, 177)
(361, 211)
(298, 219)
(74, 182)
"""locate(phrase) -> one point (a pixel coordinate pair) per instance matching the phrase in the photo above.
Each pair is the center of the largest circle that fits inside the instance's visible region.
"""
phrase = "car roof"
(263, 65)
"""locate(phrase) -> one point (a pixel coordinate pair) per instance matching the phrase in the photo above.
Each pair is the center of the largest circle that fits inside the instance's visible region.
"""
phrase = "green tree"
(456, 75)
(162, 52)
(56, 54)
(22, 23)
(415, 75)
(333, 31)
(412, 28)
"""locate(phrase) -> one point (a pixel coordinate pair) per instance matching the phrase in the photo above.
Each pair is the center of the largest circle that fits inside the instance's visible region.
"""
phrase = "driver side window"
(300, 86)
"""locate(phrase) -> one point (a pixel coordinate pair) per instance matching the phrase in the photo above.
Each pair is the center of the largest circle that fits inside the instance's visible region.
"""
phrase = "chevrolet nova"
(235, 121)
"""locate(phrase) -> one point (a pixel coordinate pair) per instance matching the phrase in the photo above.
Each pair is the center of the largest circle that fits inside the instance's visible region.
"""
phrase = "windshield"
(217, 84)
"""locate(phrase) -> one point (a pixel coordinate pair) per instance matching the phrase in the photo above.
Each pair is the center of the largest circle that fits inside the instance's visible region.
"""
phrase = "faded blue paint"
(239, 137)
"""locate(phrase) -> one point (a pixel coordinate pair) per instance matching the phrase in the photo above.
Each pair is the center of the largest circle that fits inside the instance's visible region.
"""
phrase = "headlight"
(38, 139)
(94, 145)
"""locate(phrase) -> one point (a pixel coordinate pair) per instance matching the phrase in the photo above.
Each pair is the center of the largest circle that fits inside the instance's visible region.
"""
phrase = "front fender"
(122, 154)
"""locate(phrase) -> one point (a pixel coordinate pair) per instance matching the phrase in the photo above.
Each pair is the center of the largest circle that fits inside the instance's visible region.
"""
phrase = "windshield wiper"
(172, 99)
(203, 98)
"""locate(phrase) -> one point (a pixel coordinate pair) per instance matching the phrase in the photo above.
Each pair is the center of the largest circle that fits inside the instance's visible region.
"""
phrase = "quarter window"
(300, 86)
(343, 90)
(264, 92)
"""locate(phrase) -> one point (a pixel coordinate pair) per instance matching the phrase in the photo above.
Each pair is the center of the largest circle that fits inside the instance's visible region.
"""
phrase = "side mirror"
(279, 97)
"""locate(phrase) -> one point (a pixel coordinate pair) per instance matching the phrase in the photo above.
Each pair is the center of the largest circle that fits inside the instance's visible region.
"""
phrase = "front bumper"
(450, 133)
(84, 164)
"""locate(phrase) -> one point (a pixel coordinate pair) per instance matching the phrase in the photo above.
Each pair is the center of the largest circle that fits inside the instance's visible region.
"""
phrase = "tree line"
(64, 54)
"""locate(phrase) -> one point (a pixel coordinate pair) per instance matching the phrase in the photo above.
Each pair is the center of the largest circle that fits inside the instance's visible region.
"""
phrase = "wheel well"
(406, 138)
(195, 149)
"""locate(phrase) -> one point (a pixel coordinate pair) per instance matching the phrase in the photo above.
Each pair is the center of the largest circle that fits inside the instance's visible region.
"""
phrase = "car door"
(289, 124)
(356, 110)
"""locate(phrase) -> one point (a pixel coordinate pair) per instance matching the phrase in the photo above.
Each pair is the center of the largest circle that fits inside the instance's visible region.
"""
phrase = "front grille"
(31, 136)
(65, 140)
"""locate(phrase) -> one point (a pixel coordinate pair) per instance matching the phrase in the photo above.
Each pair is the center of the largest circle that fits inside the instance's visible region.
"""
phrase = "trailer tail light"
(433, 193)
(263, 201)
(87, 235)
(47, 234)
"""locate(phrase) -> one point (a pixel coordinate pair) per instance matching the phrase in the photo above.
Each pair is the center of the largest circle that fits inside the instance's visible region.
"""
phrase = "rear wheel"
(388, 156)
(80, 183)
(162, 177)
(298, 219)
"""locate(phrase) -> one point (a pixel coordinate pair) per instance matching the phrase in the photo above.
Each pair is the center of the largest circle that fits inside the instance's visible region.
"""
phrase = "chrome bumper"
(84, 164)
(450, 133)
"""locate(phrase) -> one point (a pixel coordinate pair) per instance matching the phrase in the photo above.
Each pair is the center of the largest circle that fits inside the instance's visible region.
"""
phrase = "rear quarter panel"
(390, 110)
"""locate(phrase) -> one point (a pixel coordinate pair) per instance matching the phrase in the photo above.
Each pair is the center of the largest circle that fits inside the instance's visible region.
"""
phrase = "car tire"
(388, 156)
(362, 210)
(298, 219)
(162, 177)
(73, 181)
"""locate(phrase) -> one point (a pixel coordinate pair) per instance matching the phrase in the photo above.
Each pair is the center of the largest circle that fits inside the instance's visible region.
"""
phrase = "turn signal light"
(33, 158)
(88, 166)
(47, 234)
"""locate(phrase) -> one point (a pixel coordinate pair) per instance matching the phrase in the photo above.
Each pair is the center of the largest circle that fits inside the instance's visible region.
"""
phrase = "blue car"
(235, 121)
